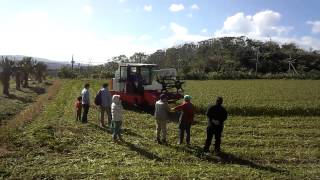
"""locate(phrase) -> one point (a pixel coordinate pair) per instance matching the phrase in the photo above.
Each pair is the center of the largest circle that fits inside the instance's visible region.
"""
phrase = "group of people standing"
(216, 116)
(111, 106)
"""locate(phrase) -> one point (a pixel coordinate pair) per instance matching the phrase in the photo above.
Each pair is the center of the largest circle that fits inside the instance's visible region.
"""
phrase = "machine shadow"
(137, 109)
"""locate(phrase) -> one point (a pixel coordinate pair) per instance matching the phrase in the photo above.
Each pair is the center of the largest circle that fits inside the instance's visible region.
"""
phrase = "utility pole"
(72, 62)
(221, 56)
(257, 59)
(290, 64)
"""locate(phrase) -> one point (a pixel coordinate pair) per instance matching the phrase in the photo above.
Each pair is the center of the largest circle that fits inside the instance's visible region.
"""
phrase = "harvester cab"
(142, 84)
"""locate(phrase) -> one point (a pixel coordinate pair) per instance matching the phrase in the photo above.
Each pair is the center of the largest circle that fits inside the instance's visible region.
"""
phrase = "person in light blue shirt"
(85, 102)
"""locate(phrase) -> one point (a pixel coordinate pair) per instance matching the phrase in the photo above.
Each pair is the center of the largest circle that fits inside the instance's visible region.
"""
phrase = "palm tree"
(27, 66)
(40, 69)
(7, 66)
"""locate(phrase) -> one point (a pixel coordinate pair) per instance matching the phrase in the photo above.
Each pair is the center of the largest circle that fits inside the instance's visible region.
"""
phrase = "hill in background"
(52, 64)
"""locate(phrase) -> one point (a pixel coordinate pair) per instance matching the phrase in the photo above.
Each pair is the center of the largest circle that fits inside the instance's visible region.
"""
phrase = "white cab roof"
(136, 64)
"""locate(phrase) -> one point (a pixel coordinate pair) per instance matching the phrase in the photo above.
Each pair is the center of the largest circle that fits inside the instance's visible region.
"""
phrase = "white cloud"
(305, 42)
(263, 26)
(87, 9)
(164, 27)
(127, 11)
(194, 7)
(147, 8)
(46, 39)
(144, 37)
(315, 26)
(309, 42)
(189, 15)
(181, 35)
(264, 23)
(204, 30)
(176, 7)
(177, 29)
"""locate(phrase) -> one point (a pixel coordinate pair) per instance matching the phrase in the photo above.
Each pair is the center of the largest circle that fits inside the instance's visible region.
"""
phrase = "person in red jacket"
(186, 118)
(78, 106)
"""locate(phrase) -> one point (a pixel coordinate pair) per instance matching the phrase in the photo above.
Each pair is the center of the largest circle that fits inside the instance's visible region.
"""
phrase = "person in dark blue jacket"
(216, 116)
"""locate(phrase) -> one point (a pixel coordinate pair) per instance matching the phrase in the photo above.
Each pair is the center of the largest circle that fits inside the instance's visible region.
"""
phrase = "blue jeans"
(184, 127)
(116, 129)
(85, 108)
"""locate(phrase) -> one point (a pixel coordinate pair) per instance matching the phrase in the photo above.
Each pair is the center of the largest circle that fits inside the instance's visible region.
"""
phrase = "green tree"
(18, 74)
(7, 66)
(27, 64)
(120, 59)
(67, 72)
(139, 57)
(40, 69)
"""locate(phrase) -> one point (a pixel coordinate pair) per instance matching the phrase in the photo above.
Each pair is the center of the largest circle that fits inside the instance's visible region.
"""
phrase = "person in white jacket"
(116, 112)
(161, 114)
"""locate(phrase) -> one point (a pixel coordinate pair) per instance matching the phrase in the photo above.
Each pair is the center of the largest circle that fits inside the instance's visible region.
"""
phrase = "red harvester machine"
(141, 84)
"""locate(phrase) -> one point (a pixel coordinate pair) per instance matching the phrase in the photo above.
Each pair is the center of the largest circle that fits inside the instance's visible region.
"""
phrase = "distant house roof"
(136, 64)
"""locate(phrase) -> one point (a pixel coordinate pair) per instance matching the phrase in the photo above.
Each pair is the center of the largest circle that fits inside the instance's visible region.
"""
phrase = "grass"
(54, 145)
(18, 100)
(259, 97)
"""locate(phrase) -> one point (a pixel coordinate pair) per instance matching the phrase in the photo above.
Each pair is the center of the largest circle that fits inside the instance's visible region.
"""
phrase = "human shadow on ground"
(131, 146)
(107, 129)
(38, 90)
(227, 158)
(96, 126)
(129, 132)
(140, 151)
(22, 99)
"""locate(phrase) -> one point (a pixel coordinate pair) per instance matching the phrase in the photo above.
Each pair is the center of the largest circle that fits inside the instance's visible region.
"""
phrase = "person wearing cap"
(216, 116)
(186, 118)
(161, 114)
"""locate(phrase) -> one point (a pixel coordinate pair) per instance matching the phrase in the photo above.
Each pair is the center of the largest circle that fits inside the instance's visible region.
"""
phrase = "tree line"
(221, 58)
(21, 71)
(232, 56)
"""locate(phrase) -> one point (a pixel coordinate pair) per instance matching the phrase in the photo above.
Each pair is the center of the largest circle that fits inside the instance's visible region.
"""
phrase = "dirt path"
(30, 112)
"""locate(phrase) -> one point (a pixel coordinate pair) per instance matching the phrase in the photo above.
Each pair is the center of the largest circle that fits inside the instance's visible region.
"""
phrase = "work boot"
(102, 125)
(206, 150)
(120, 138)
(217, 151)
(164, 142)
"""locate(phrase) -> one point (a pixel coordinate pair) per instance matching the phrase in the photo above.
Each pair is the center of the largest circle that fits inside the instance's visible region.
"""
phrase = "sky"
(96, 30)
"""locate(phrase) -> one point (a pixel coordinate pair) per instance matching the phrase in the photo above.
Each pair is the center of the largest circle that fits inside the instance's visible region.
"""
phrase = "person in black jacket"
(216, 117)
